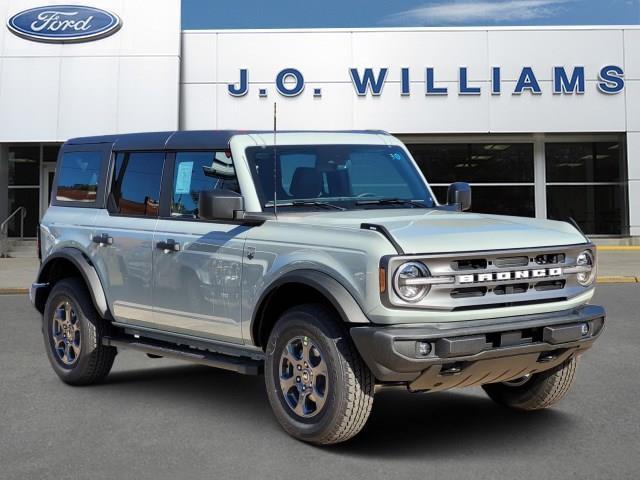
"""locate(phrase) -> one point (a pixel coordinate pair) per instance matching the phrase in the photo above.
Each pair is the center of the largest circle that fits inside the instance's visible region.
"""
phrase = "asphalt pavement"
(160, 419)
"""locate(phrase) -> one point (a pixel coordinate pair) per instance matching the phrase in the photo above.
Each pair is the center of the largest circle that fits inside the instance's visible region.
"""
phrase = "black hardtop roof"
(184, 139)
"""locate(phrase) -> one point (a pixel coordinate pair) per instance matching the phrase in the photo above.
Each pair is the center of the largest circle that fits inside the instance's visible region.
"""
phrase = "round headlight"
(587, 260)
(403, 285)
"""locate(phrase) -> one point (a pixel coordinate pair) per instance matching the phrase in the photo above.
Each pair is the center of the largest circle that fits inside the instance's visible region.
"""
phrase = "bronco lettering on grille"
(511, 275)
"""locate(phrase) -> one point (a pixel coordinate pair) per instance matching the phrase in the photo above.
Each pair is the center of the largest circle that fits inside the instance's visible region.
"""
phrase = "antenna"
(275, 161)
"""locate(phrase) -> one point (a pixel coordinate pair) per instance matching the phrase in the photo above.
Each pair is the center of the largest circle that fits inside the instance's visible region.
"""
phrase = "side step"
(244, 365)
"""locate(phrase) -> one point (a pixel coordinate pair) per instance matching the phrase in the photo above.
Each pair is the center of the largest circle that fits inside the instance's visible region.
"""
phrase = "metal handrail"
(4, 229)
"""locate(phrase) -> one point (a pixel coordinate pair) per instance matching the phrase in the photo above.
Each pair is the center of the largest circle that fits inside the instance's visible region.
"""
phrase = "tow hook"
(450, 370)
(546, 357)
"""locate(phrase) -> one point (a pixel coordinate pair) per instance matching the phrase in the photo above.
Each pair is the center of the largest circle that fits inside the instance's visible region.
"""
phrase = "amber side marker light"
(383, 280)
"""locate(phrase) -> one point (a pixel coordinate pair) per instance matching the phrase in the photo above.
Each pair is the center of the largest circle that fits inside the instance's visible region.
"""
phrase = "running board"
(244, 365)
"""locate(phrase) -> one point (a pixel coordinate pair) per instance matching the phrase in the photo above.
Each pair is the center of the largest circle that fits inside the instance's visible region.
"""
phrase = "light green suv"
(321, 259)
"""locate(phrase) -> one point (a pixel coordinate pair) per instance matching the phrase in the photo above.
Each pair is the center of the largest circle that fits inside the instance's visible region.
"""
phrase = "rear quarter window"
(78, 177)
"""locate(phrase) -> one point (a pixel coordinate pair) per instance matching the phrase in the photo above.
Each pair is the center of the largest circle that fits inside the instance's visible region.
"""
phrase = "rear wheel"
(537, 391)
(73, 332)
(319, 388)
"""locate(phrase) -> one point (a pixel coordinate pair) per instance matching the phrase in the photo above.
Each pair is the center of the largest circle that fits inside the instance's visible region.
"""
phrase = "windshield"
(347, 176)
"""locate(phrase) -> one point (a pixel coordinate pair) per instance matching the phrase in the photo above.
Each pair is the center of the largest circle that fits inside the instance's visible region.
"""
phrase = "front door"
(197, 264)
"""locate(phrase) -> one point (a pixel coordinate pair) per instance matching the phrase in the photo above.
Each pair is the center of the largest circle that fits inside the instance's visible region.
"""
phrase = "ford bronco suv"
(322, 260)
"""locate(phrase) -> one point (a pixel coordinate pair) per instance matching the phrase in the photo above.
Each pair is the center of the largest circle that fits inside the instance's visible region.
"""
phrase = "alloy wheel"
(66, 333)
(304, 379)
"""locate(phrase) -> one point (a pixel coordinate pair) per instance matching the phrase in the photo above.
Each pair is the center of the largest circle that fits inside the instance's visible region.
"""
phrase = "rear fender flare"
(88, 272)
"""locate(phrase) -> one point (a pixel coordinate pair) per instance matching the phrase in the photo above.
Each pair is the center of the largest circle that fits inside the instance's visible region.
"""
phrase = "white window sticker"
(183, 178)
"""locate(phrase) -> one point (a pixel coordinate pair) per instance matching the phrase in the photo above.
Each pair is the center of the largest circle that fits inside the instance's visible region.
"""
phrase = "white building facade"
(542, 122)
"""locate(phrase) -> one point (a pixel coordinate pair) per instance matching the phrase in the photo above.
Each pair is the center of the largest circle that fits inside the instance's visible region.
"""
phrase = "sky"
(216, 14)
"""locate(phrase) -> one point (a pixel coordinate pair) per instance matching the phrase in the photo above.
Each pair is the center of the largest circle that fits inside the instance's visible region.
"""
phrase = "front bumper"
(478, 351)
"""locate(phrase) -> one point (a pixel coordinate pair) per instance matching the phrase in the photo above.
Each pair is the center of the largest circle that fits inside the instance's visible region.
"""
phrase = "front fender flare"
(86, 269)
(339, 297)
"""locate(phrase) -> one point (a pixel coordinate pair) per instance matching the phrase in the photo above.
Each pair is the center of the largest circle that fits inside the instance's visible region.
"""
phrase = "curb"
(618, 248)
(13, 291)
(617, 279)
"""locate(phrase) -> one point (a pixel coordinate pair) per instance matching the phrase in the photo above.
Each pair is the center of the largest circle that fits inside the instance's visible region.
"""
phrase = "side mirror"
(220, 205)
(459, 193)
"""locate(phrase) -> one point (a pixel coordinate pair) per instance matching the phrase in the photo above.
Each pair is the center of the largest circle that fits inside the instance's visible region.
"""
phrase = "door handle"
(102, 239)
(170, 245)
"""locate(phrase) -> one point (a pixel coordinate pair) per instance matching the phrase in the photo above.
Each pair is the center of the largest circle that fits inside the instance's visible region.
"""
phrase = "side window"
(195, 172)
(135, 188)
(78, 177)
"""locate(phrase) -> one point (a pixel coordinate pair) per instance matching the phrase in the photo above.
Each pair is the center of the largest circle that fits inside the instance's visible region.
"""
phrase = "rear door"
(123, 235)
(197, 264)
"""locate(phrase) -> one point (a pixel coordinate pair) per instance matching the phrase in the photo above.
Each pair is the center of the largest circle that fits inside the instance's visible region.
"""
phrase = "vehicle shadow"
(401, 425)
(189, 384)
(459, 422)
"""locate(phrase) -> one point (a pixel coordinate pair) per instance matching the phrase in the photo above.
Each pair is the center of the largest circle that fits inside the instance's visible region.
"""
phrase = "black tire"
(348, 384)
(542, 390)
(93, 360)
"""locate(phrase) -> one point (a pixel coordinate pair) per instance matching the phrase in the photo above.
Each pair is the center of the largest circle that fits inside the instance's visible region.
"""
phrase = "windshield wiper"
(307, 203)
(392, 201)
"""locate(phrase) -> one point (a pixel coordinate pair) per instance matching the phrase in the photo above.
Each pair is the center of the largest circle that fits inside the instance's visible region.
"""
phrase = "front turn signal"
(382, 278)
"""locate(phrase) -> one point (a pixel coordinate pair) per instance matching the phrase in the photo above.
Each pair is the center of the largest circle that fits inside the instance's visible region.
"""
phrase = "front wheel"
(537, 391)
(319, 388)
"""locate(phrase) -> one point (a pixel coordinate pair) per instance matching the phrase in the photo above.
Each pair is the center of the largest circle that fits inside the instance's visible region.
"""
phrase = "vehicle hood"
(440, 231)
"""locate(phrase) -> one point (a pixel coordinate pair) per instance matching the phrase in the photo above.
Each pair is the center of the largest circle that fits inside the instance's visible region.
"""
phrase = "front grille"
(511, 289)
(508, 304)
(471, 264)
(468, 292)
(550, 258)
(493, 279)
(512, 262)
(550, 285)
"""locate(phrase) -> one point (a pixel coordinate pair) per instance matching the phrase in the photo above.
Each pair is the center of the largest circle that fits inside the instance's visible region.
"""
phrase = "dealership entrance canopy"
(543, 122)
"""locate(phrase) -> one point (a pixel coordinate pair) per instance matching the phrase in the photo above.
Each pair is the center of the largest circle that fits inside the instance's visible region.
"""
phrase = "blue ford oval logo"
(64, 23)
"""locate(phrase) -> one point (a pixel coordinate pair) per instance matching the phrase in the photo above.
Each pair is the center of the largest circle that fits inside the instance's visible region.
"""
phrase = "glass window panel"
(372, 174)
(50, 176)
(438, 162)
(340, 173)
(135, 188)
(290, 162)
(195, 172)
(517, 201)
(598, 209)
(50, 153)
(441, 194)
(584, 162)
(475, 163)
(24, 165)
(28, 198)
(78, 177)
